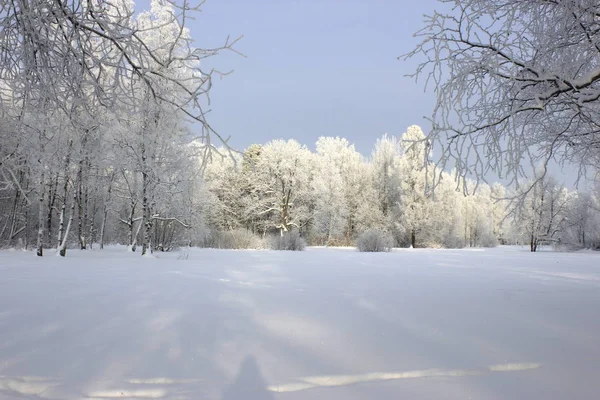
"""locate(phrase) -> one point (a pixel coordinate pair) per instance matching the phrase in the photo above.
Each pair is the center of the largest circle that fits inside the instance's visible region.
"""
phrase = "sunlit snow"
(325, 324)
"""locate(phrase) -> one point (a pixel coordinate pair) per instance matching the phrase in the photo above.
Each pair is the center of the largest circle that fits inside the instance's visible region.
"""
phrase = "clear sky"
(315, 68)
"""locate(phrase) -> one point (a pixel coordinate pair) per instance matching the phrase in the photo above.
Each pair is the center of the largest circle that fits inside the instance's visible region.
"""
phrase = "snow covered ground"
(321, 324)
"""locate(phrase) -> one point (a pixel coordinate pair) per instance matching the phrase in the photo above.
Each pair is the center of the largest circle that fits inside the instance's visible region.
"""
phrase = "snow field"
(321, 324)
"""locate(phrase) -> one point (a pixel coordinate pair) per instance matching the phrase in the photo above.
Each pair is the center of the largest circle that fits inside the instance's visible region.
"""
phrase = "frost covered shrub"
(289, 241)
(238, 239)
(374, 240)
(487, 240)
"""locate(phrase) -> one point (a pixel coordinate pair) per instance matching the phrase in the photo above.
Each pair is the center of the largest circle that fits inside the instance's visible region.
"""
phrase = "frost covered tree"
(499, 211)
(387, 181)
(249, 203)
(225, 185)
(446, 212)
(583, 221)
(413, 167)
(479, 221)
(438, 216)
(514, 80)
(354, 181)
(330, 188)
(281, 184)
(542, 216)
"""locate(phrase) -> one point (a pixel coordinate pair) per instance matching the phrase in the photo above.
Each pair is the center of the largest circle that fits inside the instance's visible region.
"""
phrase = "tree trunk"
(102, 226)
(132, 238)
(20, 203)
(105, 209)
(136, 235)
(4, 228)
(80, 200)
(40, 235)
(52, 189)
(65, 195)
(413, 238)
(349, 231)
(13, 218)
(146, 219)
(85, 233)
(146, 216)
(61, 226)
(26, 206)
(62, 250)
(92, 230)
(94, 210)
(83, 237)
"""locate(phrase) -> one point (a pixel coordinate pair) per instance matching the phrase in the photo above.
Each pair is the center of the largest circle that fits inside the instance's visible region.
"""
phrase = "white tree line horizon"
(334, 194)
(330, 197)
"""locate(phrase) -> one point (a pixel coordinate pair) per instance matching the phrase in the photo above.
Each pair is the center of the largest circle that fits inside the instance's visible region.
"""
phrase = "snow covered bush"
(487, 240)
(374, 240)
(289, 241)
(238, 239)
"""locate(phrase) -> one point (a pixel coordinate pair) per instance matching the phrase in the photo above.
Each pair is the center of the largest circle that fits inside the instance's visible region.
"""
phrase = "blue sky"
(314, 68)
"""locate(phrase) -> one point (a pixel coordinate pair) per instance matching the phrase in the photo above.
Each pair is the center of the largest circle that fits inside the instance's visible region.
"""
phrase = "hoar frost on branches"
(515, 80)
(94, 94)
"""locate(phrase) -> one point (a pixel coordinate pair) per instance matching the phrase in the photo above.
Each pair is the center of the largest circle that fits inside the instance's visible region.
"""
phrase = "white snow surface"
(321, 324)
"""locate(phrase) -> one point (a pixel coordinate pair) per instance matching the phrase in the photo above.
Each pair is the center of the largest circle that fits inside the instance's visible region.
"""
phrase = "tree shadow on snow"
(249, 383)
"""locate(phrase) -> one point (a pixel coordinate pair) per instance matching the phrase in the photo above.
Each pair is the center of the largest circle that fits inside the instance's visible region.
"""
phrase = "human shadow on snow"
(249, 383)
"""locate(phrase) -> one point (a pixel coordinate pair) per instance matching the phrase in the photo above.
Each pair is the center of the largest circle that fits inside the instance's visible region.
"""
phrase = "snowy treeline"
(334, 194)
(101, 191)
